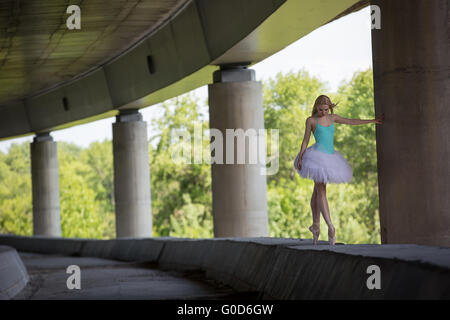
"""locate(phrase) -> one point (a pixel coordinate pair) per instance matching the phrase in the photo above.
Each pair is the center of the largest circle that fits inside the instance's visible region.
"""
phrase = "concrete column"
(411, 63)
(238, 190)
(131, 176)
(45, 186)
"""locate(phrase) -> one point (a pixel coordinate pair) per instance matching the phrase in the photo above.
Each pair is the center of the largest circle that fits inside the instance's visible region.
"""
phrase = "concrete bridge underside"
(133, 54)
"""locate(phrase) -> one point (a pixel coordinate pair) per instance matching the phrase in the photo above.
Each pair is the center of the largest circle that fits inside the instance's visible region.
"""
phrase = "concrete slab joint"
(43, 137)
(129, 115)
(233, 73)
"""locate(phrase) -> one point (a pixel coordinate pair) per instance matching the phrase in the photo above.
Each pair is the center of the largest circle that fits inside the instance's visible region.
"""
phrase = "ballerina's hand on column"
(379, 120)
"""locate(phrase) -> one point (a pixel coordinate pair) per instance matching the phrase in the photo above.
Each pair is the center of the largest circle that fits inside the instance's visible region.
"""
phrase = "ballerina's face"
(323, 110)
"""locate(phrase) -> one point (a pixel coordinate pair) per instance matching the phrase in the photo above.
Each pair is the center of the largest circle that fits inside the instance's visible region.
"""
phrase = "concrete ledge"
(277, 268)
(13, 274)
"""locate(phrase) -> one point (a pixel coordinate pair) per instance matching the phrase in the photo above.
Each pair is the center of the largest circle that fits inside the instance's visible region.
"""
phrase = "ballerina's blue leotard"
(321, 162)
(324, 138)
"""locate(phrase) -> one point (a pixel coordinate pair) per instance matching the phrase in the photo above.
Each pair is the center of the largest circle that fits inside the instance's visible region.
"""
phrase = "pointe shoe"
(332, 236)
(315, 231)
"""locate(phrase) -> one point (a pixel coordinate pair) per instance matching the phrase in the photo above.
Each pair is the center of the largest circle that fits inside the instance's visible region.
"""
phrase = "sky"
(332, 53)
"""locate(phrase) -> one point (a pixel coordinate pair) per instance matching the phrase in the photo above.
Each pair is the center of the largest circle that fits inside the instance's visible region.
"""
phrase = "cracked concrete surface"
(116, 280)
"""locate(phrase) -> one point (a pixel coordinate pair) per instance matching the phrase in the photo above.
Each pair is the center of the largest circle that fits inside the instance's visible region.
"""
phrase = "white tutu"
(324, 167)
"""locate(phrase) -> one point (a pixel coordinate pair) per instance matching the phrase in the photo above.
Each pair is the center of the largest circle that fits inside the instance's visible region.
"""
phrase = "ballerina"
(322, 163)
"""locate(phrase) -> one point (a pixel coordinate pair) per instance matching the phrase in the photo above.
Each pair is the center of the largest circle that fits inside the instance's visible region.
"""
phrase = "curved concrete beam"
(179, 56)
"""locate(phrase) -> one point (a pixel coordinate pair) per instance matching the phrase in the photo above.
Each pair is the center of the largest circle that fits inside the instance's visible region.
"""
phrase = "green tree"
(191, 220)
(100, 178)
(16, 212)
(177, 188)
(81, 216)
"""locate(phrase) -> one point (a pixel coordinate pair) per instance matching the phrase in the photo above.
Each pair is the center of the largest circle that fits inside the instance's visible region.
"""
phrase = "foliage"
(15, 191)
(81, 212)
(81, 215)
(191, 220)
(179, 187)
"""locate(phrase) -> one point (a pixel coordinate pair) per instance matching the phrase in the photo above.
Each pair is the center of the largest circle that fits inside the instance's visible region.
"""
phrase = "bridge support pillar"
(411, 63)
(238, 189)
(131, 176)
(45, 186)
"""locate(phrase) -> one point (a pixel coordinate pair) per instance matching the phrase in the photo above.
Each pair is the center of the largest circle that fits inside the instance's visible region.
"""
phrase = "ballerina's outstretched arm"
(338, 119)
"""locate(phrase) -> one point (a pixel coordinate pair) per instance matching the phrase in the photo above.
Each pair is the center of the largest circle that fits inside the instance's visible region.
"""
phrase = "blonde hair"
(323, 100)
